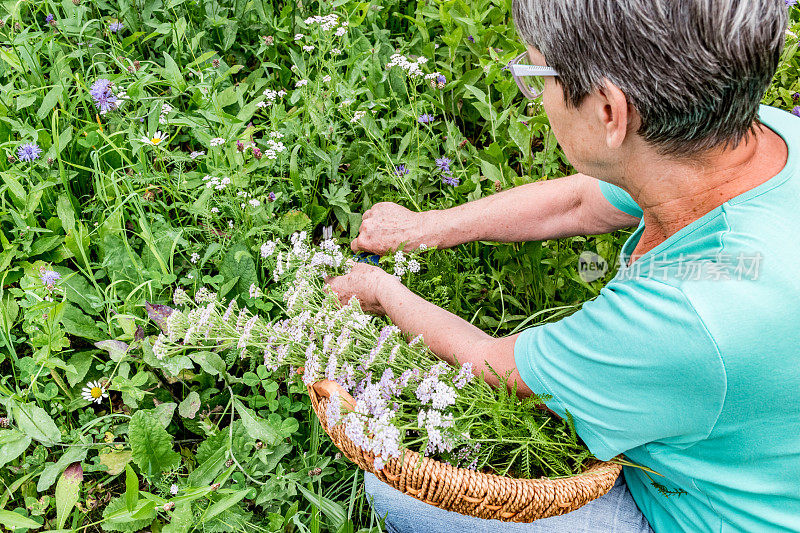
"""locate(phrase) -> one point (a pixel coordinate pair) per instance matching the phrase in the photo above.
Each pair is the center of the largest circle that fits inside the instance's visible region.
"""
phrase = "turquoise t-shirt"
(688, 361)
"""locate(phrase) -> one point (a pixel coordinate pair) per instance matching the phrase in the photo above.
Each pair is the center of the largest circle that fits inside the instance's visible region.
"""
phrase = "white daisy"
(155, 140)
(94, 392)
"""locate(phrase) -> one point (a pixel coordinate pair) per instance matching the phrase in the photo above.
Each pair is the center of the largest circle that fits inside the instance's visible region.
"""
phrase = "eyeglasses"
(529, 77)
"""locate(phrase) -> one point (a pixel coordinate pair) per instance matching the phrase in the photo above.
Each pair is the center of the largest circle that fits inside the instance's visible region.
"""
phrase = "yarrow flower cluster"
(436, 80)
(394, 394)
(217, 183)
(412, 68)
(325, 22)
(271, 96)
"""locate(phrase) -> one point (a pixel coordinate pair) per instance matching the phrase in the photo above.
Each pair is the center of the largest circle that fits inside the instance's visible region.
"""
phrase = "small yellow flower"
(94, 392)
(155, 140)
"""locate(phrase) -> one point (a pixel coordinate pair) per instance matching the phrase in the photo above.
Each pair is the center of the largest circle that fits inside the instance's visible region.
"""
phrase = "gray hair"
(695, 70)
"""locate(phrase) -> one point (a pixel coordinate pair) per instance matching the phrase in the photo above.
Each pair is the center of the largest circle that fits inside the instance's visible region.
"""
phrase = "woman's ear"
(613, 114)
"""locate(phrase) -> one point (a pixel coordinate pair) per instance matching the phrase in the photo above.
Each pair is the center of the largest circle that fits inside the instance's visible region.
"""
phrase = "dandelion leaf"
(151, 445)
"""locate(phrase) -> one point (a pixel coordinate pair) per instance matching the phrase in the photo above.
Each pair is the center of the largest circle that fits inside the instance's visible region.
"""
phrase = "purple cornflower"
(449, 179)
(441, 80)
(426, 118)
(50, 277)
(49, 18)
(401, 170)
(271, 197)
(795, 111)
(471, 39)
(796, 96)
(115, 26)
(791, 3)
(29, 152)
(444, 164)
(104, 99)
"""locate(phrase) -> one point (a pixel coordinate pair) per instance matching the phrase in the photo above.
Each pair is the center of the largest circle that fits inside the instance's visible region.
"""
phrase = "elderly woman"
(688, 362)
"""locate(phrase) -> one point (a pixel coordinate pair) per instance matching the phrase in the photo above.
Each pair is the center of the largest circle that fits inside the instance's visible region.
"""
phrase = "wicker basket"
(466, 491)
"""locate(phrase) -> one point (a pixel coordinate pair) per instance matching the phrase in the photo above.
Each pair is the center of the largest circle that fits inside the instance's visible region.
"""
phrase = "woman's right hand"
(386, 225)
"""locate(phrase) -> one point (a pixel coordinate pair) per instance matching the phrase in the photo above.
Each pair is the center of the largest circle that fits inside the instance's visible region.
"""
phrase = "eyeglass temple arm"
(533, 70)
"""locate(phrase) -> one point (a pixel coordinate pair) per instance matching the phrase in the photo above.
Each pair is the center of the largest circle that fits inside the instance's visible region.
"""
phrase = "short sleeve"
(633, 366)
(620, 199)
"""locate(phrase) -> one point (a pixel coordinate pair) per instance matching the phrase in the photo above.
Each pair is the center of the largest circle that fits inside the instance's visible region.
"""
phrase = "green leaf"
(68, 490)
(334, 511)
(172, 73)
(293, 221)
(238, 262)
(190, 405)
(49, 101)
(75, 322)
(119, 518)
(116, 349)
(80, 362)
(12, 444)
(66, 214)
(151, 445)
(131, 488)
(14, 520)
(36, 423)
(209, 362)
(115, 461)
(226, 502)
(257, 428)
(74, 454)
(164, 412)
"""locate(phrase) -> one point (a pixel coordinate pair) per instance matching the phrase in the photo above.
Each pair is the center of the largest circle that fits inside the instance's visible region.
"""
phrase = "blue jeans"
(614, 512)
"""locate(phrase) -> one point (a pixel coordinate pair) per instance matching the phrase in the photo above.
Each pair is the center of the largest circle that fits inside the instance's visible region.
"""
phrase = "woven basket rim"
(469, 492)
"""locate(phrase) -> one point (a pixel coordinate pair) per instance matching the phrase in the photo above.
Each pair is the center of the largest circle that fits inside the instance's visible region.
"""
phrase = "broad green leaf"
(190, 405)
(119, 518)
(36, 423)
(131, 488)
(172, 73)
(68, 490)
(257, 428)
(14, 520)
(66, 214)
(238, 262)
(227, 501)
(164, 412)
(151, 445)
(116, 349)
(12, 444)
(210, 362)
(74, 454)
(76, 323)
(49, 101)
(115, 461)
(334, 511)
(293, 221)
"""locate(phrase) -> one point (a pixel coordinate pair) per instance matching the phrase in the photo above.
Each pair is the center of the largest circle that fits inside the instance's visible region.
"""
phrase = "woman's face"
(577, 130)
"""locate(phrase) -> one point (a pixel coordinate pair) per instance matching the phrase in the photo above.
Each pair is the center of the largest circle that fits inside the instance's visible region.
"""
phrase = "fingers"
(354, 245)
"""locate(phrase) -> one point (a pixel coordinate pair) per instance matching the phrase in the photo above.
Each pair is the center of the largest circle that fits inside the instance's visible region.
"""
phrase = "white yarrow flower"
(217, 141)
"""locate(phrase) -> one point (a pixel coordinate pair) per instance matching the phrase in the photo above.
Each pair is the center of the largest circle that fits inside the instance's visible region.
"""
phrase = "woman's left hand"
(366, 283)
